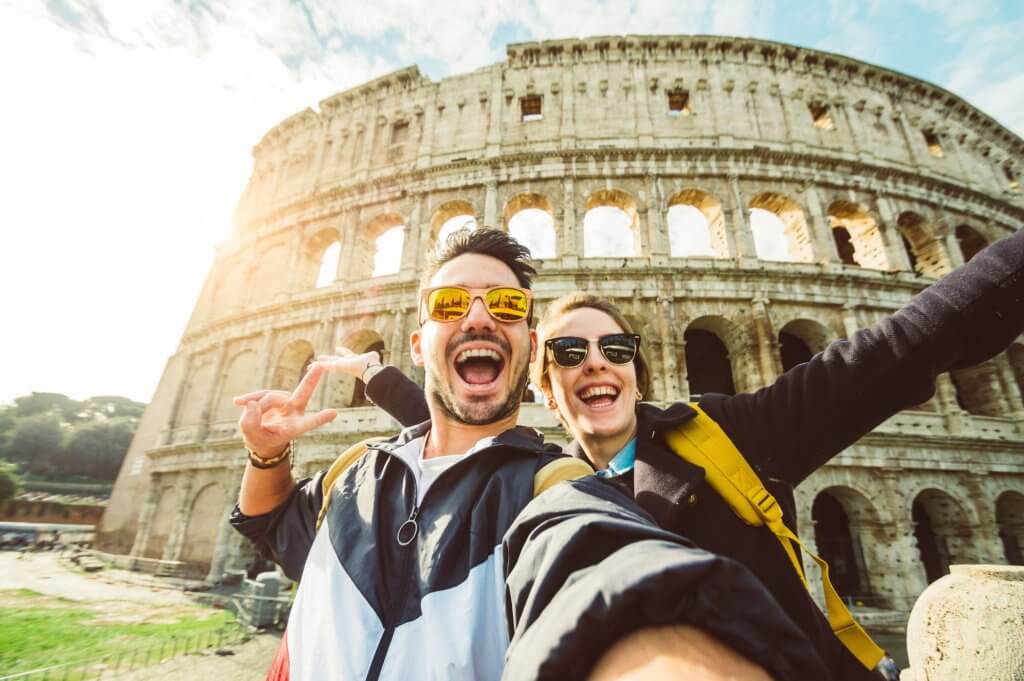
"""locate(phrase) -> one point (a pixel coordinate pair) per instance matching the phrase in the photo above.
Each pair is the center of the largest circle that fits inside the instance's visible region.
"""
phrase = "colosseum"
(746, 202)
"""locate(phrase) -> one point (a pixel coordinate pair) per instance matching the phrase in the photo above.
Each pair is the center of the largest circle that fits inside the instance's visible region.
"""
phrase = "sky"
(127, 126)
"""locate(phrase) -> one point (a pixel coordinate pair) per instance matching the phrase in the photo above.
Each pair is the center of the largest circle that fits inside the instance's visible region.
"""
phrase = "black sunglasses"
(570, 352)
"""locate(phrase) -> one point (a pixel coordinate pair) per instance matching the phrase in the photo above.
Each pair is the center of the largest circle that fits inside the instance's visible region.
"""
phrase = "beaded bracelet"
(263, 464)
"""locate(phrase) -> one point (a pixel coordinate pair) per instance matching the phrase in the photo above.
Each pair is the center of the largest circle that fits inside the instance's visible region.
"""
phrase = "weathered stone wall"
(882, 184)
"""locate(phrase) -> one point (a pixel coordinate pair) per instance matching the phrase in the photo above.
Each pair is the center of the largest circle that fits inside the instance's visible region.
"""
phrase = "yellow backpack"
(563, 468)
(702, 442)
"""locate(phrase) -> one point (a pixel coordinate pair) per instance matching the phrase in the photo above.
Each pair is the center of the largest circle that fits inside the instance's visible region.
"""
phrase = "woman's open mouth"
(599, 396)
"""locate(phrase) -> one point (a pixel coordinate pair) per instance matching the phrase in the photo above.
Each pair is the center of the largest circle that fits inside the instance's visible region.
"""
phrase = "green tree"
(97, 449)
(111, 407)
(8, 484)
(69, 410)
(37, 442)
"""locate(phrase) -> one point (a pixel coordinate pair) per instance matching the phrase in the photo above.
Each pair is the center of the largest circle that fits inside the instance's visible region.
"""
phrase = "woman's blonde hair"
(575, 301)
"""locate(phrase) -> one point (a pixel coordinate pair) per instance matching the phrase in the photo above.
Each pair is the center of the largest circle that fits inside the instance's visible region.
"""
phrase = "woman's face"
(597, 398)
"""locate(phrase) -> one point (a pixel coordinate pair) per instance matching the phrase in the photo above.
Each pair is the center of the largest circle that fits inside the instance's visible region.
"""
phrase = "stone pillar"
(572, 230)
(957, 420)
(1010, 388)
(741, 239)
(166, 433)
(414, 242)
(909, 579)
(820, 229)
(768, 358)
(172, 550)
(349, 240)
(146, 516)
(850, 323)
(987, 546)
(895, 252)
(491, 216)
(668, 351)
(222, 548)
(219, 376)
(657, 218)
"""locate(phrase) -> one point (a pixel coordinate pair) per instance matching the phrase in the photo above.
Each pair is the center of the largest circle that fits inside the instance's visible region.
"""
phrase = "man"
(406, 575)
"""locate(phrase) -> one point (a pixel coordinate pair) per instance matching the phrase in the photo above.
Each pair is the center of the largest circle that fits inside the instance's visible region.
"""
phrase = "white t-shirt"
(427, 470)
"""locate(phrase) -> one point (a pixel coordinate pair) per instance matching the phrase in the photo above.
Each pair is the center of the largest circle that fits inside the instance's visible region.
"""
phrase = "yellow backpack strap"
(340, 465)
(702, 442)
(564, 468)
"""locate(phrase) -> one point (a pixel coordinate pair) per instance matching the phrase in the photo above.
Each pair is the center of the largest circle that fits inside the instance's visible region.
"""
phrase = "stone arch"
(384, 239)
(197, 395)
(611, 225)
(943, 532)
(970, 241)
(696, 225)
(863, 234)
(449, 217)
(846, 526)
(314, 259)
(1010, 522)
(292, 364)
(239, 378)
(801, 339)
(163, 522)
(530, 218)
(352, 391)
(794, 227)
(270, 274)
(718, 357)
(204, 525)
(927, 253)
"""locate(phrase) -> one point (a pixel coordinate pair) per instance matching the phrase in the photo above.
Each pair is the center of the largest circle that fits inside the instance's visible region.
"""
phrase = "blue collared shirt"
(622, 462)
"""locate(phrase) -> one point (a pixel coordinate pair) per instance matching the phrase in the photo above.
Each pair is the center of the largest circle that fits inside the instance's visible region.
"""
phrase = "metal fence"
(112, 665)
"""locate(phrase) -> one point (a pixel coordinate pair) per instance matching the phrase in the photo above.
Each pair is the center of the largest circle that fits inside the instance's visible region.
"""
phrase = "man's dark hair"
(484, 241)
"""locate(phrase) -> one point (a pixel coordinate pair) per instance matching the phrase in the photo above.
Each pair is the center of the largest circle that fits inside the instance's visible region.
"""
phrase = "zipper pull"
(409, 529)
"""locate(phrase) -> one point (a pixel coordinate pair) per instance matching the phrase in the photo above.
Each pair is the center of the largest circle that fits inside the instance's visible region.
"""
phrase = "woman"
(593, 373)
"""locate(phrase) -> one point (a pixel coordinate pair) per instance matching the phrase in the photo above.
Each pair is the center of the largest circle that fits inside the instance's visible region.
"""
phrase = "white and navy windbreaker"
(444, 603)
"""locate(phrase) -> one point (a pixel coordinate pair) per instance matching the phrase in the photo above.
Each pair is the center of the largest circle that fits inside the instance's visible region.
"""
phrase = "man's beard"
(480, 413)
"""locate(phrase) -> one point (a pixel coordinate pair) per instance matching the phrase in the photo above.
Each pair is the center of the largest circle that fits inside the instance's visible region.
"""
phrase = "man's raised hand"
(348, 362)
(273, 418)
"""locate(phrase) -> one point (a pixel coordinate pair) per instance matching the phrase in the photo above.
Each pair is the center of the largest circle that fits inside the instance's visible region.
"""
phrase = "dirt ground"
(123, 600)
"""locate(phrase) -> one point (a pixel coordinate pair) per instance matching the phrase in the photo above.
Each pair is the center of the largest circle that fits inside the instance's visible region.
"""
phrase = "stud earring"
(639, 395)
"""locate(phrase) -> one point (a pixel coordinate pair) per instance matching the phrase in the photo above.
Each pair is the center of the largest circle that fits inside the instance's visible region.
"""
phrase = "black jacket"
(811, 413)
(430, 605)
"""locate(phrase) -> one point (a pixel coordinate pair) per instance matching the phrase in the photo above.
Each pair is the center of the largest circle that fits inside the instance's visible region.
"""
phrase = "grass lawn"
(40, 631)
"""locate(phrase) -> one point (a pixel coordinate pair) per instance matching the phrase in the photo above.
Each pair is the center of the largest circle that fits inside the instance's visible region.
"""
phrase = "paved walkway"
(44, 573)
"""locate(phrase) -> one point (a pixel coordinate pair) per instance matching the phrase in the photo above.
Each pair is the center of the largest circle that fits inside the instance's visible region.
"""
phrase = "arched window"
(610, 225)
(857, 235)
(695, 225)
(708, 367)
(530, 220)
(927, 253)
(971, 242)
(779, 229)
(799, 340)
(839, 543)
(1010, 521)
(387, 258)
(942, 532)
(451, 216)
(292, 364)
(329, 265)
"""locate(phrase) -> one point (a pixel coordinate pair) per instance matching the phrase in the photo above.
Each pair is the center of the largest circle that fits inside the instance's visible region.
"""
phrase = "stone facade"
(880, 184)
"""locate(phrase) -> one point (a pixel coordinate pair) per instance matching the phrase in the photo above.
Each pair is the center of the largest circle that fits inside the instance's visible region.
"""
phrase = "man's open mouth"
(479, 366)
(599, 395)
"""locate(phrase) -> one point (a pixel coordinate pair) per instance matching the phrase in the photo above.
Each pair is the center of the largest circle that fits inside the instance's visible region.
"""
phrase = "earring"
(639, 395)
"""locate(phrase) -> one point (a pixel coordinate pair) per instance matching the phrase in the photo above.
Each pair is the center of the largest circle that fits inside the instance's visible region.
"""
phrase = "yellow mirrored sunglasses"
(452, 303)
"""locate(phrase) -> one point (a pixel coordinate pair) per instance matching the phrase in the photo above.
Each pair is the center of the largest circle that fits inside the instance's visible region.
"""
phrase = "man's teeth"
(598, 391)
(477, 352)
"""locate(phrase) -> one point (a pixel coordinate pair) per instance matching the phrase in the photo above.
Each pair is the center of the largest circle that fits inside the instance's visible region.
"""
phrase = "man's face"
(476, 367)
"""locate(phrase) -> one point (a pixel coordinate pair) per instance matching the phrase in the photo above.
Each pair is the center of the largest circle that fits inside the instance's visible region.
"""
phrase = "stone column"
(911, 579)
(668, 350)
(987, 546)
(657, 218)
(957, 420)
(850, 323)
(219, 376)
(172, 550)
(1010, 388)
(895, 252)
(349, 239)
(820, 228)
(572, 231)
(221, 550)
(138, 549)
(741, 239)
(414, 242)
(166, 433)
(767, 343)
(491, 216)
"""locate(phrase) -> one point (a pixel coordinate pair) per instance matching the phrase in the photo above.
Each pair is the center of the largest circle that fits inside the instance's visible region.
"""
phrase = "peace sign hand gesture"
(273, 418)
